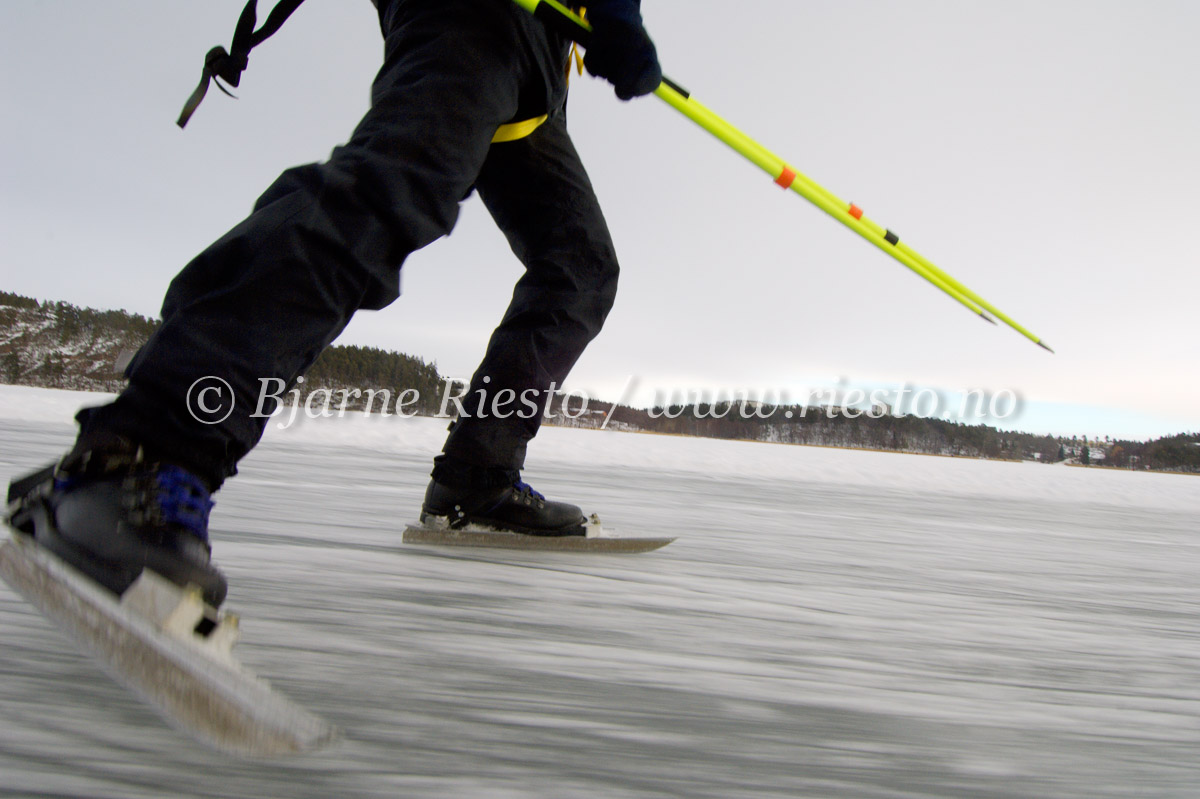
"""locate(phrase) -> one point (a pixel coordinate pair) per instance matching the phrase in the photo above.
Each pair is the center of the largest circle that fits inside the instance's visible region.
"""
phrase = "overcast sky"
(1043, 152)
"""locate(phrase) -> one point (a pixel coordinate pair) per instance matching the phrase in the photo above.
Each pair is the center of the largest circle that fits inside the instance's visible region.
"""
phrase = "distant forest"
(58, 345)
(831, 427)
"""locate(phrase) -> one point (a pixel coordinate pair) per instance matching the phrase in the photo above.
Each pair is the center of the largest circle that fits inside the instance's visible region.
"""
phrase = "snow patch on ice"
(31, 404)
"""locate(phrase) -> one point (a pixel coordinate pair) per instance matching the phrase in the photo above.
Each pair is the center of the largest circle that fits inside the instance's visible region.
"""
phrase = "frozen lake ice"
(830, 623)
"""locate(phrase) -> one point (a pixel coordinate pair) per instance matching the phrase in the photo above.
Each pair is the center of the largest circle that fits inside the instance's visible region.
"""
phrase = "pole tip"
(987, 318)
(1043, 345)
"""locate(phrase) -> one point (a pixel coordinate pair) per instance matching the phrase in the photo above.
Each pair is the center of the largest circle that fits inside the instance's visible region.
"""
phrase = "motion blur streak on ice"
(829, 623)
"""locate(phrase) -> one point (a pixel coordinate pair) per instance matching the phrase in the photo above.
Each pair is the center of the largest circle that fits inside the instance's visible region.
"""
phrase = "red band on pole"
(787, 178)
(855, 211)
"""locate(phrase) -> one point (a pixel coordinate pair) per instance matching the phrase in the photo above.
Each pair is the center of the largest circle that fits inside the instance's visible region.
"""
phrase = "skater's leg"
(261, 303)
(539, 194)
(325, 240)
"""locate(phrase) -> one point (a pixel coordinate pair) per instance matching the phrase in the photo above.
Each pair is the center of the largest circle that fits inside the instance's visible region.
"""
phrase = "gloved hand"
(620, 50)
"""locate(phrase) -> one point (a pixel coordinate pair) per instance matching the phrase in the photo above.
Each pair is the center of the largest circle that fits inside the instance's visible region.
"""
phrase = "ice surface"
(830, 623)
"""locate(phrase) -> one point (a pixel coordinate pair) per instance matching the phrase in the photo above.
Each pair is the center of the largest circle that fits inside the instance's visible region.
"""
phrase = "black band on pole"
(675, 86)
(891, 238)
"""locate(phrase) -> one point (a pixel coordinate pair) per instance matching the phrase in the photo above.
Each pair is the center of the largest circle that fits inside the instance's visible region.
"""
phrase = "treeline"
(854, 429)
(350, 368)
(828, 427)
(69, 321)
(1180, 453)
(59, 345)
(825, 426)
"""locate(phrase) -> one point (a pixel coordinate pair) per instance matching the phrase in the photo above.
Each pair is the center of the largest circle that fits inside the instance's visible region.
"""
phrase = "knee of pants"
(603, 282)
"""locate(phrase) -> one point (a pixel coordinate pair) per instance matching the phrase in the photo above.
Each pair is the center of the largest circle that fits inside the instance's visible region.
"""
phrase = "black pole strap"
(220, 64)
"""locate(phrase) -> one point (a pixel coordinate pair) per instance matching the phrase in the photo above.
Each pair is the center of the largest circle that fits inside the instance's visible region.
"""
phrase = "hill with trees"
(58, 345)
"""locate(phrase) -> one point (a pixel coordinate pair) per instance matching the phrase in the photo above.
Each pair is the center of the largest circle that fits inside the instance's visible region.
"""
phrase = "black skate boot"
(516, 509)
(110, 513)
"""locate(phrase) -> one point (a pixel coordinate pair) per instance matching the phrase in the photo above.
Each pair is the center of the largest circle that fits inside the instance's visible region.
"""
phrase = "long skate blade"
(170, 649)
(420, 534)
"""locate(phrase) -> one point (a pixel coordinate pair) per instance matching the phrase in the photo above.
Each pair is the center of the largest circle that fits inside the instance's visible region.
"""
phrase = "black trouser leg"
(328, 239)
(539, 194)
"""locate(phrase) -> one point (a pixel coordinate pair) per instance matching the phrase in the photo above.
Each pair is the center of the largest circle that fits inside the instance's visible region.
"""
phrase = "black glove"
(620, 50)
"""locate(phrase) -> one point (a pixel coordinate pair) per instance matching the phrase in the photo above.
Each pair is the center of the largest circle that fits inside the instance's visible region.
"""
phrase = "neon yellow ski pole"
(556, 15)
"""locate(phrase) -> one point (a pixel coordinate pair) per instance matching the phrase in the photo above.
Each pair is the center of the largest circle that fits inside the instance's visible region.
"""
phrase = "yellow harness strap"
(519, 130)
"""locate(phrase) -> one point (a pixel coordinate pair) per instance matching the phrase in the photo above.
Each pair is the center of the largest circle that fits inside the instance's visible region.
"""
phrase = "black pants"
(328, 239)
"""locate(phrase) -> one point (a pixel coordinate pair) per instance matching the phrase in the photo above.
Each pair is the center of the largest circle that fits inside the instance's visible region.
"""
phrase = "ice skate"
(111, 513)
(514, 509)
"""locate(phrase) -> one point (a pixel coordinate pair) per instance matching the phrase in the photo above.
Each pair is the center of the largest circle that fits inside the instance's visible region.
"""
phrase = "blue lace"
(523, 487)
(64, 484)
(184, 500)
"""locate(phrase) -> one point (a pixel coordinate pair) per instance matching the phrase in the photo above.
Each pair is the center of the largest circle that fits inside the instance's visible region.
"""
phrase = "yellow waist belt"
(518, 130)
